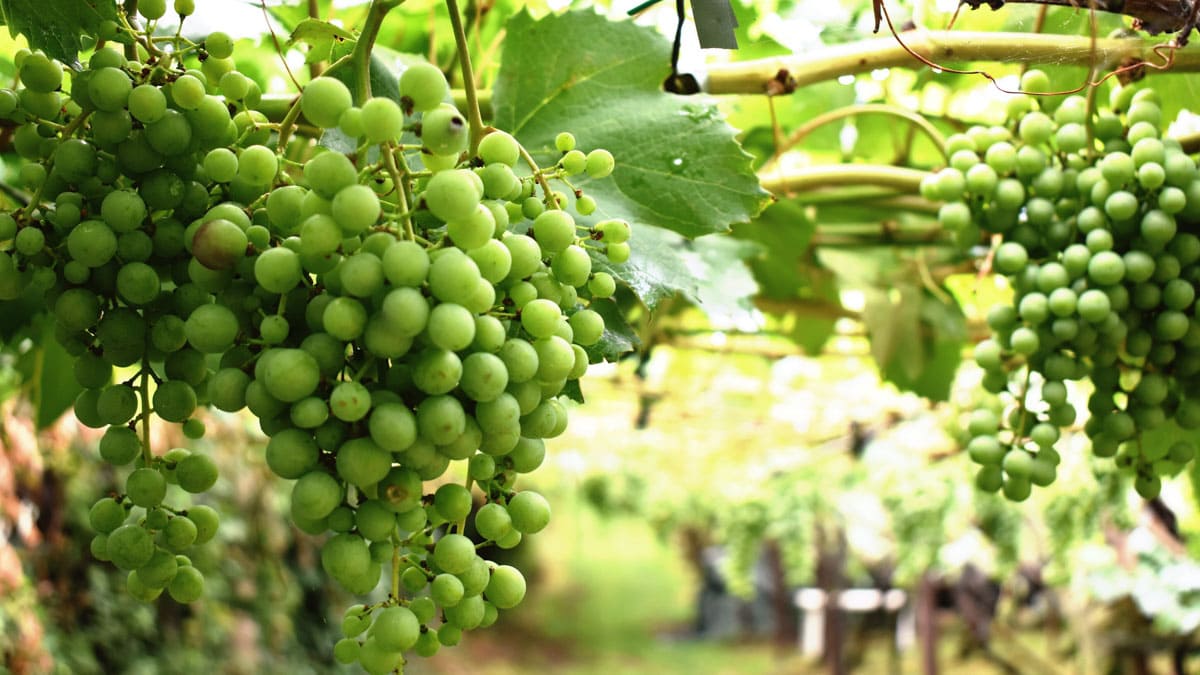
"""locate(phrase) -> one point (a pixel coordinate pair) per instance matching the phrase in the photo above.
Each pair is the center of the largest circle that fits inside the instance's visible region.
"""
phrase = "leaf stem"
(468, 74)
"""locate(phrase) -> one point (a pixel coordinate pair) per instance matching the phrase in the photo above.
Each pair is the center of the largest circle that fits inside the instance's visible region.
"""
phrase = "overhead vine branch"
(750, 77)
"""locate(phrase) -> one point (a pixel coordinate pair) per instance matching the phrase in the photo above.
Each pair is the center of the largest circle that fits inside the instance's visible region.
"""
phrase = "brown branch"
(1153, 16)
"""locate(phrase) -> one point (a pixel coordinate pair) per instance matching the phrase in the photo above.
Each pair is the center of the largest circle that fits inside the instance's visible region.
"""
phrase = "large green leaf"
(679, 165)
(56, 26)
(710, 271)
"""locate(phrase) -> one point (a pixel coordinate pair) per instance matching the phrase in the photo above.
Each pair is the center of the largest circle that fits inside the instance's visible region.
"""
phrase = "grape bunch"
(1094, 218)
(382, 313)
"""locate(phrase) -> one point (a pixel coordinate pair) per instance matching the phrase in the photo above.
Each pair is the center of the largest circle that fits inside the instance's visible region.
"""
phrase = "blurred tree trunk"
(831, 564)
(782, 602)
(927, 622)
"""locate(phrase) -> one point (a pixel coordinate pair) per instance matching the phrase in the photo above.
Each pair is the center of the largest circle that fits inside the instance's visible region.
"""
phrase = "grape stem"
(551, 200)
(468, 74)
(361, 57)
(819, 121)
(288, 125)
(147, 456)
(400, 182)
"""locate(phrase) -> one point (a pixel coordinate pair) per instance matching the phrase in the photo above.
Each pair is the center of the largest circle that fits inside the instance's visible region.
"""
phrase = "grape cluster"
(1094, 217)
(381, 313)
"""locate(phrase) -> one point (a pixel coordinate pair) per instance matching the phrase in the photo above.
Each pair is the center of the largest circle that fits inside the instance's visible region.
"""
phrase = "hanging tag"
(715, 22)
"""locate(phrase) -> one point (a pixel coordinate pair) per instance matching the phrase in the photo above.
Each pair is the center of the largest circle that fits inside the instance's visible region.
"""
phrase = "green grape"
(444, 131)
(467, 614)
(40, 73)
(206, 520)
(405, 263)
(499, 147)
(129, 547)
(396, 629)
(454, 553)
(530, 512)
(554, 231)
(328, 173)
(564, 141)
(187, 585)
(382, 120)
(350, 401)
(506, 588)
(106, 515)
(219, 45)
(355, 208)
(453, 194)
(361, 275)
(323, 101)
(492, 521)
(315, 495)
(446, 590)
(258, 165)
(211, 328)
(600, 163)
(422, 87)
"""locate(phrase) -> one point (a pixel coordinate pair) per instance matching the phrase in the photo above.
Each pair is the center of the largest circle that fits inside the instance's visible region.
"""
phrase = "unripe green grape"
(234, 85)
(40, 73)
(129, 547)
(174, 401)
(120, 445)
(196, 473)
(617, 253)
(159, 570)
(396, 629)
(350, 401)
(106, 515)
(315, 495)
(600, 163)
(344, 318)
(422, 87)
(179, 534)
(530, 512)
(454, 553)
(506, 588)
(382, 120)
(258, 165)
(554, 231)
(323, 101)
(211, 328)
(499, 147)
(440, 419)
(355, 208)
(444, 131)
(187, 585)
(602, 285)
(453, 194)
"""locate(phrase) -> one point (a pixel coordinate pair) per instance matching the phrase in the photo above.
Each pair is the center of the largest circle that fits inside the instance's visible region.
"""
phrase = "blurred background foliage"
(789, 422)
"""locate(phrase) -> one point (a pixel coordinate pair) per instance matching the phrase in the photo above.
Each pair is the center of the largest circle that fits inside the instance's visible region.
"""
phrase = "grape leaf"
(709, 272)
(55, 26)
(320, 36)
(618, 338)
(679, 165)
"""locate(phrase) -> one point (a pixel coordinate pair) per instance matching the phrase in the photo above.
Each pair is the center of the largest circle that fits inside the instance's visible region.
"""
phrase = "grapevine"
(421, 299)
